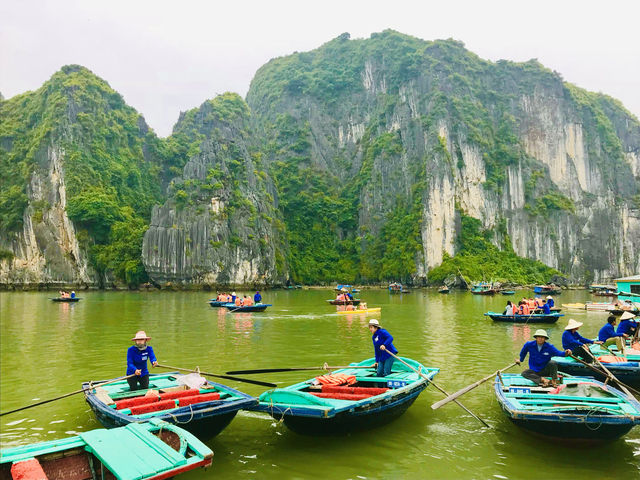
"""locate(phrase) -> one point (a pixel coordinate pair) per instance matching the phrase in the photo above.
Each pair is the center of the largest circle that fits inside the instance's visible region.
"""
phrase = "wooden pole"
(68, 394)
(468, 388)
(226, 377)
(293, 369)
(440, 389)
(608, 374)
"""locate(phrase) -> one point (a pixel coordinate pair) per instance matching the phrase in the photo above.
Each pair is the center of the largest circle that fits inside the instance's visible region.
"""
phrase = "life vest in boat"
(636, 346)
(611, 359)
(336, 379)
(524, 309)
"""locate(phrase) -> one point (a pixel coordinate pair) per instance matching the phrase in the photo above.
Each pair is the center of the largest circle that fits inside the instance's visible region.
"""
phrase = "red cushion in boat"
(28, 470)
(353, 390)
(342, 396)
(205, 397)
(153, 407)
(136, 401)
(179, 394)
(611, 359)
(336, 379)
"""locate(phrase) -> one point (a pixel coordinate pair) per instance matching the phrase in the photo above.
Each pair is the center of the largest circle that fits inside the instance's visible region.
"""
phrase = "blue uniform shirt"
(539, 359)
(382, 337)
(607, 332)
(137, 359)
(546, 309)
(550, 302)
(572, 340)
(626, 326)
(257, 298)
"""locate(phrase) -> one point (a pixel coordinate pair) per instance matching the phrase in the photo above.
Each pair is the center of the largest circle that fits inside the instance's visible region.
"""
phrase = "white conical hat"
(573, 324)
(627, 316)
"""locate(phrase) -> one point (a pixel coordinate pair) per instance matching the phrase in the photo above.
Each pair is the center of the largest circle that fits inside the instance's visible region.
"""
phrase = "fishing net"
(583, 390)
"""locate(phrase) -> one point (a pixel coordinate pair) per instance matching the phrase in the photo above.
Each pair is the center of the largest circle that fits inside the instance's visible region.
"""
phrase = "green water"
(48, 349)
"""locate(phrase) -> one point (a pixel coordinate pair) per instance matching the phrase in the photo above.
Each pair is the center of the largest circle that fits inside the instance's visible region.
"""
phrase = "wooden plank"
(541, 396)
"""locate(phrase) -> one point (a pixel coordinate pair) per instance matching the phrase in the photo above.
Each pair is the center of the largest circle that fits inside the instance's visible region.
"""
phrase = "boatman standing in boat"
(257, 298)
(137, 356)
(382, 340)
(540, 363)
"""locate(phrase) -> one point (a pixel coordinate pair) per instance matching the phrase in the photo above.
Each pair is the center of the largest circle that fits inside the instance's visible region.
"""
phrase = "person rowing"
(137, 356)
(627, 326)
(540, 363)
(382, 341)
(550, 301)
(579, 345)
(608, 335)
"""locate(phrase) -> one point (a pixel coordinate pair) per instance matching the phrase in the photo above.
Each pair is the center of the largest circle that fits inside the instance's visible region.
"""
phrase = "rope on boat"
(178, 422)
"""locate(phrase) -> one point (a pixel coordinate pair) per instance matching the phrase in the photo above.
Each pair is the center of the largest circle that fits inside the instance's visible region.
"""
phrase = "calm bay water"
(47, 349)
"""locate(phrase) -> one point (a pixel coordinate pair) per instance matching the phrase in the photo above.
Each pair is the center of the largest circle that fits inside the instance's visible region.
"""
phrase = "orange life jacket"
(238, 302)
(524, 309)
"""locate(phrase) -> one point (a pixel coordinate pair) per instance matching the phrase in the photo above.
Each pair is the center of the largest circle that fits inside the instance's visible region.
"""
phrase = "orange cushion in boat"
(611, 359)
(28, 470)
(205, 397)
(336, 379)
(353, 390)
(153, 407)
(136, 401)
(179, 394)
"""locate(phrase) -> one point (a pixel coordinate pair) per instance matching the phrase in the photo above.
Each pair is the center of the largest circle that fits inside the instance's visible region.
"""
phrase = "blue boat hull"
(595, 432)
(252, 308)
(629, 374)
(535, 318)
(216, 303)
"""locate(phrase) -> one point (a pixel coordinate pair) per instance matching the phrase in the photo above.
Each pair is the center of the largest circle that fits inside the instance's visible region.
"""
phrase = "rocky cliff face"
(429, 129)
(220, 225)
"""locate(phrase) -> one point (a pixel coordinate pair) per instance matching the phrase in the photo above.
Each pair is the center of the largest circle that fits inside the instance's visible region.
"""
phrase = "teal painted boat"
(314, 408)
(139, 451)
(581, 409)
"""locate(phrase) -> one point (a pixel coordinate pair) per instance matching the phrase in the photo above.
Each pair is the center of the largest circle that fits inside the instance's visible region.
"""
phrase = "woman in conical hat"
(572, 340)
(137, 356)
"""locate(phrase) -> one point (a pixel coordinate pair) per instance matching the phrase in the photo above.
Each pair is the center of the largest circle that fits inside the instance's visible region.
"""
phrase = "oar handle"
(226, 377)
(91, 387)
(466, 389)
(607, 373)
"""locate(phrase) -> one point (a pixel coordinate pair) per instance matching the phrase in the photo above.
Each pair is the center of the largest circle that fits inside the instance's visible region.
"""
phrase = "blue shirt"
(546, 309)
(137, 359)
(572, 340)
(539, 359)
(257, 298)
(626, 326)
(382, 337)
(550, 302)
(607, 332)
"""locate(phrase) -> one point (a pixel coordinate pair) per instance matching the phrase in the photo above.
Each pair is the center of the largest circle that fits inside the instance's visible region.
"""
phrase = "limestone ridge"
(428, 131)
(220, 223)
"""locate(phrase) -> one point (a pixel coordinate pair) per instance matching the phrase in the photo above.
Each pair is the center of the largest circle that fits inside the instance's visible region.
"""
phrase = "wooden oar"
(607, 373)
(440, 389)
(468, 388)
(294, 369)
(68, 394)
(226, 377)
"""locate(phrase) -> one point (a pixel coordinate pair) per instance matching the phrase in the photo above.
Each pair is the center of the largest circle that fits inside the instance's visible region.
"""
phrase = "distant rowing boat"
(359, 311)
(66, 299)
(345, 302)
(533, 318)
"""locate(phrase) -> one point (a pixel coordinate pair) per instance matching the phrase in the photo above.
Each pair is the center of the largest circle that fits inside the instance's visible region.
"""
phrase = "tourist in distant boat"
(247, 301)
(382, 340)
(550, 301)
(531, 303)
(538, 301)
(363, 306)
(540, 363)
(349, 307)
(137, 356)
(238, 301)
(627, 326)
(257, 298)
(572, 340)
(509, 309)
(524, 308)
(608, 335)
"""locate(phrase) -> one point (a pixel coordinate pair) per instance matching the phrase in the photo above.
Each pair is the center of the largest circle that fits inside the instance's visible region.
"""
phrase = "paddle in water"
(226, 377)
(468, 388)
(440, 389)
(68, 394)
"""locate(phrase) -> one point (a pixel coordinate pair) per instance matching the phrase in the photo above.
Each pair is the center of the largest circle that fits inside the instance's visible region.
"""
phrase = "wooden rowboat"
(66, 299)
(312, 408)
(533, 318)
(359, 312)
(258, 307)
(581, 409)
(139, 451)
(508, 292)
(204, 411)
(217, 303)
(624, 366)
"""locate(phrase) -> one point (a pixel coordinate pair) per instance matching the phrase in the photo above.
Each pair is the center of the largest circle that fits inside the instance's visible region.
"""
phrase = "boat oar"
(440, 389)
(68, 394)
(468, 388)
(295, 369)
(226, 377)
(607, 373)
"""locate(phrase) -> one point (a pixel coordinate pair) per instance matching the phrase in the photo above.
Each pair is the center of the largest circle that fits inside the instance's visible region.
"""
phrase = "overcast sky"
(169, 56)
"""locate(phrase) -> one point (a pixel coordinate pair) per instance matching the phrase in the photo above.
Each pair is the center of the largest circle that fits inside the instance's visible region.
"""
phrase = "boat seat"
(133, 451)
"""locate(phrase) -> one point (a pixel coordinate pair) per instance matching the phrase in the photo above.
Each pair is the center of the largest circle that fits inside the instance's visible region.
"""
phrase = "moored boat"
(66, 299)
(624, 366)
(483, 289)
(205, 410)
(508, 292)
(532, 318)
(360, 311)
(345, 302)
(581, 409)
(258, 307)
(397, 288)
(547, 290)
(443, 289)
(151, 450)
(599, 306)
(315, 408)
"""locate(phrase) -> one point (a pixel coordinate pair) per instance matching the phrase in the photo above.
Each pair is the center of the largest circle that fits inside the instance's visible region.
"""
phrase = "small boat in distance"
(66, 299)
(258, 307)
(532, 318)
(315, 407)
(508, 292)
(443, 289)
(397, 288)
(547, 290)
(355, 301)
(483, 289)
(151, 450)
(580, 409)
(204, 411)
